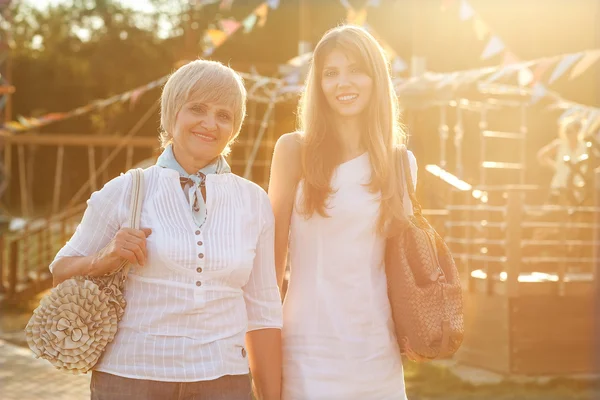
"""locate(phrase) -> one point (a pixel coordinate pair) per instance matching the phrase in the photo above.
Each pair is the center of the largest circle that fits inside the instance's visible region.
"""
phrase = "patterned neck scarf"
(193, 185)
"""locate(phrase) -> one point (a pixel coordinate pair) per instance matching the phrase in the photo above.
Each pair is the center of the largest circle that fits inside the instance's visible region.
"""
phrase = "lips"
(347, 97)
(207, 137)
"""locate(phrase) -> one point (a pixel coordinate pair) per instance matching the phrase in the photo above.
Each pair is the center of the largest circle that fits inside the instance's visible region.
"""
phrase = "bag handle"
(137, 195)
(410, 187)
(135, 213)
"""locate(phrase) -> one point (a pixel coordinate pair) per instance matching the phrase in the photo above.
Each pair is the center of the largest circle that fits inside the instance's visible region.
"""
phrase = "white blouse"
(201, 290)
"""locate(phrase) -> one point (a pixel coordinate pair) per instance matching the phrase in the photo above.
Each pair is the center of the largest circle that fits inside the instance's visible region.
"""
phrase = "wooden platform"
(532, 334)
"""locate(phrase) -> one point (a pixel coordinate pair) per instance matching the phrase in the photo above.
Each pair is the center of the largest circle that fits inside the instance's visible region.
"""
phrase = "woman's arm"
(128, 244)
(99, 245)
(547, 155)
(264, 357)
(263, 306)
(285, 174)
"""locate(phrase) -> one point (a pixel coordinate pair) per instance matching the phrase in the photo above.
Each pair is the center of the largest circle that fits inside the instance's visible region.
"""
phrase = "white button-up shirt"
(201, 290)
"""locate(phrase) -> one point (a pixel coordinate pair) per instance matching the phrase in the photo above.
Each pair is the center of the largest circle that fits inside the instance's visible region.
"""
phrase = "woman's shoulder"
(121, 184)
(290, 143)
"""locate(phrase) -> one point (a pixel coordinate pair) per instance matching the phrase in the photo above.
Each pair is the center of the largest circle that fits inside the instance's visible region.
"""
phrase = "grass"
(429, 382)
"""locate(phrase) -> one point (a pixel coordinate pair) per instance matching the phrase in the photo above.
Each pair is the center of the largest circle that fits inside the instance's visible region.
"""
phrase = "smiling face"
(202, 131)
(346, 85)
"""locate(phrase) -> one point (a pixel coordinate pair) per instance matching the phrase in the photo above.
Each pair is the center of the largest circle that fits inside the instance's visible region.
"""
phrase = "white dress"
(338, 337)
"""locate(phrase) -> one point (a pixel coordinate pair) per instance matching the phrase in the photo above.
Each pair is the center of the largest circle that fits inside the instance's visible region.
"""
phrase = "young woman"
(204, 301)
(334, 190)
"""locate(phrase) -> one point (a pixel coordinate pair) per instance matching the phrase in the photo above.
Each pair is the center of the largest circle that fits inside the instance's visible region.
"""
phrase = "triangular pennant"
(273, 4)
(226, 5)
(538, 92)
(564, 65)
(587, 61)
(345, 4)
(216, 36)
(466, 11)
(261, 12)
(398, 65)
(480, 27)
(494, 46)
(525, 76)
(229, 25)
(249, 22)
(540, 69)
(509, 58)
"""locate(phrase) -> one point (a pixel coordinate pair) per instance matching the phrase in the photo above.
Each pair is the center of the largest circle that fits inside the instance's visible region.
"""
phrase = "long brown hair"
(382, 130)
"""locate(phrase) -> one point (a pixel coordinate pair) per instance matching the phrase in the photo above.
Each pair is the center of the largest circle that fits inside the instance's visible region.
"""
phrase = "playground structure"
(528, 269)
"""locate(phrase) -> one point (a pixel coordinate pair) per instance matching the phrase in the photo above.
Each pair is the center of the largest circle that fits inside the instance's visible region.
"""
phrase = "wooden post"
(23, 181)
(129, 158)
(513, 241)
(2, 263)
(7, 166)
(92, 168)
(58, 178)
(13, 264)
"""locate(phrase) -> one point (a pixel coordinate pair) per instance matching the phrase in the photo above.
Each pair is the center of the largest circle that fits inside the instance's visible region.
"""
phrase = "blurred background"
(484, 85)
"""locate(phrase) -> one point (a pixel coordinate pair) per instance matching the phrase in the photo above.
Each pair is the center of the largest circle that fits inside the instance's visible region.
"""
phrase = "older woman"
(203, 302)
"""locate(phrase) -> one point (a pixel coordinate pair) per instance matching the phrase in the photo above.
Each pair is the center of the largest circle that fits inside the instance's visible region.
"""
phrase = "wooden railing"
(26, 255)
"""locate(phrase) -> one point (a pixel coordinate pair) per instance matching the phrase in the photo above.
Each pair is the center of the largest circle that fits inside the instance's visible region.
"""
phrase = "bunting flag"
(480, 27)
(494, 46)
(226, 5)
(261, 12)
(509, 58)
(229, 26)
(587, 61)
(398, 65)
(273, 4)
(564, 65)
(216, 37)
(466, 11)
(249, 22)
(538, 92)
(357, 17)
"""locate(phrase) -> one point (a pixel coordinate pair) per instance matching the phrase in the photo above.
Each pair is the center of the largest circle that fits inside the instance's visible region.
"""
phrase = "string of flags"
(213, 38)
(531, 73)
(359, 17)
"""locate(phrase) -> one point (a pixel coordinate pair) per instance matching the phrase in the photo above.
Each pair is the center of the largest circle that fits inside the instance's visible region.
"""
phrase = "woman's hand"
(128, 244)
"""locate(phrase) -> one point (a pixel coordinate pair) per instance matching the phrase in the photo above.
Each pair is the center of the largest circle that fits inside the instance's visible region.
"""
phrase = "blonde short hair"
(212, 82)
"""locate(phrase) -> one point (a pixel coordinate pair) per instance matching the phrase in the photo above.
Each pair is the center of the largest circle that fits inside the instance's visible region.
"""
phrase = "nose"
(343, 80)
(209, 122)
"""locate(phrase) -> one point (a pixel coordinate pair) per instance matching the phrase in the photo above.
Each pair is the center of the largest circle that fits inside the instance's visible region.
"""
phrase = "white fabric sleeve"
(105, 212)
(261, 293)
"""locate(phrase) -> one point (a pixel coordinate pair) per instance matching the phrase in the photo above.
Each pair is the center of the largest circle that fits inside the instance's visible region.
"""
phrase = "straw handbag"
(78, 318)
(423, 285)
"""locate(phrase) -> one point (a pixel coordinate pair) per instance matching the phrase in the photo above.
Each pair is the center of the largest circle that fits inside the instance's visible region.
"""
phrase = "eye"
(224, 116)
(330, 73)
(356, 70)
(198, 108)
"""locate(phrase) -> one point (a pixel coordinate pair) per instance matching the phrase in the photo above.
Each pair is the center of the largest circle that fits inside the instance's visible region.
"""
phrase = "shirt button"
(200, 255)
(199, 269)
(243, 352)
(198, 283)
(200, 243)
(197, 232)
